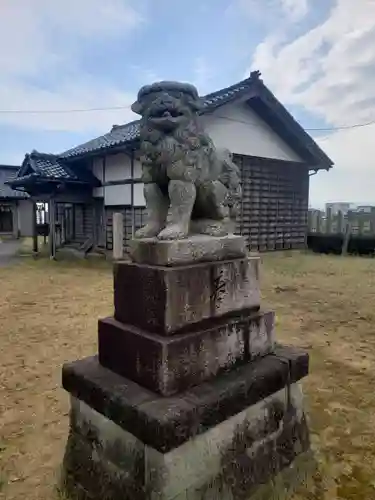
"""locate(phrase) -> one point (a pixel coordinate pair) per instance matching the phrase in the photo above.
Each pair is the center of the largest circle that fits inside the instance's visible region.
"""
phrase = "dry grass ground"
(48, 315)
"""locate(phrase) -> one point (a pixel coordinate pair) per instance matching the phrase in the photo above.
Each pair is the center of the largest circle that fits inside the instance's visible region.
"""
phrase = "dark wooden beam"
(35, 230)
(123, 182)
(52, 228)
(132, 192)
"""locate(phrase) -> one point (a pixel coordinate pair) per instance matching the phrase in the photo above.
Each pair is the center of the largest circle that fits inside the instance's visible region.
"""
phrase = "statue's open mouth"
(166, 117)
(167, 113)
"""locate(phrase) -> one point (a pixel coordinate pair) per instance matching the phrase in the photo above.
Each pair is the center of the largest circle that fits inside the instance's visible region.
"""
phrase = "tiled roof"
(120, 134)
(7, 173)
(49, 166)
(46, 167)
(123, 134)
(221, 97)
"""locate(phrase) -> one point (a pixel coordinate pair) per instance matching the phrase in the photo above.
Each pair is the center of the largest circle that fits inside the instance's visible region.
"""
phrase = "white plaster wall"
(121, 195)
(238, 128)
(118, 168)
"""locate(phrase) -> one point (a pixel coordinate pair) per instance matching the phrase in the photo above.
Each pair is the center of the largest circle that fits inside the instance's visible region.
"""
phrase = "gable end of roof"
(50, 168)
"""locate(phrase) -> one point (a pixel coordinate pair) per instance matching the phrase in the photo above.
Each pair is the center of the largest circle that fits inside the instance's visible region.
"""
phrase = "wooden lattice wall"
(274, 207)
(83, 223)
(139, 213)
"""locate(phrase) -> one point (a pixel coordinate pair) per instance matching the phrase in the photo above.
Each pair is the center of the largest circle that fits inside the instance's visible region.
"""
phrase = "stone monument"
(189, 396)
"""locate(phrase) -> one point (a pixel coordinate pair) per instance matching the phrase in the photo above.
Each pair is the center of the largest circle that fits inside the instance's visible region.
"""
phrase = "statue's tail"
(230, 176)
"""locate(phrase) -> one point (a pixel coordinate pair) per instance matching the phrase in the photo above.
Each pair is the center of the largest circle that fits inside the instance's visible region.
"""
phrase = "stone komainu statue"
(189, 185)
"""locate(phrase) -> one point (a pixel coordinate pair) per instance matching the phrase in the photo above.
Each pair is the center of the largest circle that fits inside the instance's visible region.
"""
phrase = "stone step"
(168, 365)
(167, 422)
(196, 248)
(220, 440)
(240, 458)
(166, 300)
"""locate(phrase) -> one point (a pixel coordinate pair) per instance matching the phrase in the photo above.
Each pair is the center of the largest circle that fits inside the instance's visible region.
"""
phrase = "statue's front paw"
(173, 232)
(147, 231)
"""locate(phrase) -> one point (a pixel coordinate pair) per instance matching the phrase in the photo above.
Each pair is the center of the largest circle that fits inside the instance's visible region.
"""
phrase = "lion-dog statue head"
(176, 154)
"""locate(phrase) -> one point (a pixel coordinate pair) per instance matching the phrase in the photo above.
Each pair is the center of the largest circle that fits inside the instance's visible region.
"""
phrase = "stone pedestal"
(165, 300)
(189, 398)
(197, 248)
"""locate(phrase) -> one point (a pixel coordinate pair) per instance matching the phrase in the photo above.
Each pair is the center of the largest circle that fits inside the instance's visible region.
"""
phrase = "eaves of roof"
(262, 101)
(128, 134)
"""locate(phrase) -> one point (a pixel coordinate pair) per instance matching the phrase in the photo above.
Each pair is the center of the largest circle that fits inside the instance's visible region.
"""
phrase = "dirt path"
(8, 251)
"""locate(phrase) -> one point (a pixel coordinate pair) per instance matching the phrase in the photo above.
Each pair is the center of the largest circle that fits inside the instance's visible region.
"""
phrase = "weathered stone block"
(172, 364)
(230, 460)
(243, 452)
(90, 475)
(166, 299)
(196, 248)
(165, 423)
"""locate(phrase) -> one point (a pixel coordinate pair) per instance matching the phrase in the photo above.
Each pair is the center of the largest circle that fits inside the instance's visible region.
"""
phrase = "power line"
(343, 127)
(114, 108)
(322, 129)
(58, 111)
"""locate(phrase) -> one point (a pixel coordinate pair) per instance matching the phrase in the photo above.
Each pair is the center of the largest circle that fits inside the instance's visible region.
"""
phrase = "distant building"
(16, 208)
(337, 207)
(365, 209)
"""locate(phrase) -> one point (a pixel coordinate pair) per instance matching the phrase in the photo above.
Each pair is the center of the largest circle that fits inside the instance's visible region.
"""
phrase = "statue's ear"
(196, 103)
(137, 107)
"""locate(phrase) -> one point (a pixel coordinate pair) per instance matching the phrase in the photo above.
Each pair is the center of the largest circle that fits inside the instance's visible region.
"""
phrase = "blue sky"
(316, 55)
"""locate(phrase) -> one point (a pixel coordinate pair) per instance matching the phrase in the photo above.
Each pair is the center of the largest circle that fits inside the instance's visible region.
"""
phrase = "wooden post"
(63, 229)
(118, 235)
(52, 229)
(372, 221)
(132, 192)
(319, 222)
(361, 224)
(310, 221)
(35, 230)
(328, 228)
(103, 216)
(340, 222)
(348, 231)
(94, 231)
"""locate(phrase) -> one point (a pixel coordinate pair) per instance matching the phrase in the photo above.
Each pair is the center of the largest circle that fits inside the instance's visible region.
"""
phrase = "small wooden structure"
(67, 194)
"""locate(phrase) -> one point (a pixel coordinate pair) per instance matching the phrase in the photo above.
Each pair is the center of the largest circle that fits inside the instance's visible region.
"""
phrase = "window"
(6, 219)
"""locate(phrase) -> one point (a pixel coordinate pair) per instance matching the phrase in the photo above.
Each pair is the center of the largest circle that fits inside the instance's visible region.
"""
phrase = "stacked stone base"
(151, 447)
(189, 397)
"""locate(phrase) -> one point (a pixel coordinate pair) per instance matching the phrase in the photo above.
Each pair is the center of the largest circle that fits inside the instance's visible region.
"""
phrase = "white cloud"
(295, 9)
(329, 71)
(202, 75)
(271, 13)
(353, 176)
(44, 37)
(75, 94)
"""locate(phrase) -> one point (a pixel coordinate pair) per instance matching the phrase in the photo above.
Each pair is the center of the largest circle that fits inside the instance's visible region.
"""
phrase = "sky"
(317, 56)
